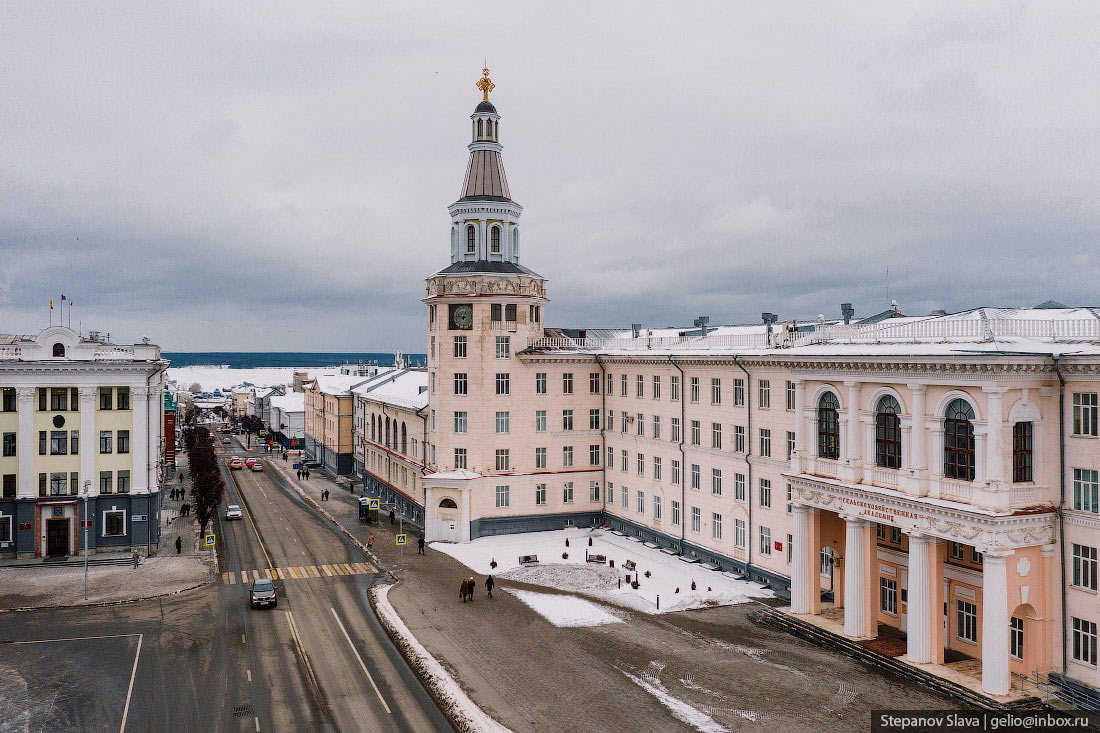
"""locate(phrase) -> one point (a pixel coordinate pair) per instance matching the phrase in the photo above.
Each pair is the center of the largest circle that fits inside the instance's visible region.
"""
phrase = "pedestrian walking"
(181, 476)
(307, 474)
(393, 516)
(489, 583)
(179, 544)
(462, 590)
(137, 559)
(299, 474)
(470, 587)
(420, 546)
(370, 540)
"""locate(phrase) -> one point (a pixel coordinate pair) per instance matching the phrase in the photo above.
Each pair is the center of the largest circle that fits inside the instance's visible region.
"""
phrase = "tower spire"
(485, 84)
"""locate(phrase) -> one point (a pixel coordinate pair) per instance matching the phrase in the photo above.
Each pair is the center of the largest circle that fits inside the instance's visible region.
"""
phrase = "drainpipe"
(1062, 501)
(683, 454)
(423, 463)
(603, 433)
(748, 460)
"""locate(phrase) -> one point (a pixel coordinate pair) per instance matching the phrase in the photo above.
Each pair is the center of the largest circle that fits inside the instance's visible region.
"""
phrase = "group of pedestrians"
(467, 587)
(324, 494)
(177, 494)
(185, 509)
(303, 473)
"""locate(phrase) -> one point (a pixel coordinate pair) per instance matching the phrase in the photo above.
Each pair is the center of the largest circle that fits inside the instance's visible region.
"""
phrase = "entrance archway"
(446, 521)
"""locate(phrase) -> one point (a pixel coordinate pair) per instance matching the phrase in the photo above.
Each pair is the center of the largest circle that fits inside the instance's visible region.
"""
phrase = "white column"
(139, 440)
(995, 440)
(918, 457)
(797, 462)
(89, 441)
(979, 454)
(996, 678)
(853, 420)
(801, 586)
(919, 630)
(26, 443)
(855, 577)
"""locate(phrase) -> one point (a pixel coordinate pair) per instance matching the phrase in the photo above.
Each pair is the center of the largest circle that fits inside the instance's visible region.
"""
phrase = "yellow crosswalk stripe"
(338, 569)
(348, 569)
(364, 567)
(294, 573)
(327, 569)
(244, 576)
(225, 578)
(269, 574)
(312, 572)
(255, 574)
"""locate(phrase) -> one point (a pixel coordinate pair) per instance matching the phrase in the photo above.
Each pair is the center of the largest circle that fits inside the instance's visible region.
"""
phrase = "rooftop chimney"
(847, 311)
(635, 329)
(701, 323)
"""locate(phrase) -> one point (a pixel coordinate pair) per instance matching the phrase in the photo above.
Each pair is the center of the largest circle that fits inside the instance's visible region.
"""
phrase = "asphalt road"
(204, 660)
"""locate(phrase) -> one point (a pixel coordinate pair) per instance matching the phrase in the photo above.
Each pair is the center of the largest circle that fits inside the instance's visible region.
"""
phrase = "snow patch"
(681, 710)
(565, 611)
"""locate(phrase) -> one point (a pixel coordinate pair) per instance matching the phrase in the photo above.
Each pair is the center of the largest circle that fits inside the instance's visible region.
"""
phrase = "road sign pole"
(400, 530)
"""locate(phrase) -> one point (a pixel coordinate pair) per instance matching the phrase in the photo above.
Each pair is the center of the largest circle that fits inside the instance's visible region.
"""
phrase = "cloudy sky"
(275, 176)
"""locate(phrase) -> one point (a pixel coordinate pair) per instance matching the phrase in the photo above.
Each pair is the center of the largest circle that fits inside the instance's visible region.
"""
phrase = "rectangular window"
(510, 313)
(594, 455)
(715, 391)
(765, 442)
(610, 493)
(625, 496)
(790, 444)
(790, 395)
(623, 418)
(966, 621)
(504, 383)
(105, 441)
(640, 421)
(765, 492)
(695, 476)
(540, 383)
(740, 536)
(504, 462)
(640, 467)
(122, 482)
(610, 458)
(567, 493)
(656, 508)
(495, 313)
(594, 383)
(716, 481)
(888, 596)
(9, 400)
(739, 486)
(106, 482)
(540, 457)
(7, 491)
(715, 526)
(502, 496)
(5, 529)
(1016, 637)
(540, 494)
(593, 491)
(622, 385)
(765, 541)
(656, 427)
(895, 535)
(696, 519)
(460, 422)
(623, 459)
(566, 419)
(694, 382)
(1085, 413)
(9, 444)
(540, 421)
(675, 430)
(114, 523)
(43, 399)
(738, 392)
(1084, 567)
(1084, 641)
(59, 399)
(610, 384)
(74, 442)
(696, 433)
(123, 398)
(656, 387)
(656, 468)
(790, 497)
(106, 398)
(641, 502)
(567, 384)
(1023, 459)
(567, 456)
(675, 472)
(1086, 490)
(765, 393)
(738, 438)
(460, 383)
(504, 347)
(675, 513)
(460, 458)
(43, 442)
(674, 386)
(957, 549)
(59, 442)
(716, 435)
(639, 386)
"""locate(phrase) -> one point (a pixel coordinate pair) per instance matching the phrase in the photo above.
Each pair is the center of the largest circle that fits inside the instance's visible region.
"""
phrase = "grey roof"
(485, 176)
(485, 107)
(1050, 305)
(486, 266)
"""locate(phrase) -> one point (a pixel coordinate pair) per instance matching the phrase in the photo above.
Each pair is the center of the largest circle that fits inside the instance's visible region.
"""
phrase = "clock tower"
(483, 308)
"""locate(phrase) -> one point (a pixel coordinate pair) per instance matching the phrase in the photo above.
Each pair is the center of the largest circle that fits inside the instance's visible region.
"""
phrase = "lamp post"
(87, 490)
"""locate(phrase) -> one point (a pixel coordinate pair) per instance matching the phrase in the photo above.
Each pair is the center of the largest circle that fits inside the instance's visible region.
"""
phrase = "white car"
(233, 512)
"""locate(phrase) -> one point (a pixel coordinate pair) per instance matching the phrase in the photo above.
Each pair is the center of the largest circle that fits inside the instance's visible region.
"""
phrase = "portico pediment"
(949, 520)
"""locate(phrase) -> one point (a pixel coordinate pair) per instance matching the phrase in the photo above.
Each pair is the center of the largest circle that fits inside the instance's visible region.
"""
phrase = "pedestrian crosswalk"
(298, 573)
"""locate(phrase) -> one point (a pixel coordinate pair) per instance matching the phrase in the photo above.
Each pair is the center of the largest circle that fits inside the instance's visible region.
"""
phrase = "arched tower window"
(888, 433)
(471, 239)
(958, 441)
(448, 504)
(828, 426)
(480, 133)
(494, 240)
(515, 243)
(59, 349)
(387, 432)
(373, 434)
(404, 439)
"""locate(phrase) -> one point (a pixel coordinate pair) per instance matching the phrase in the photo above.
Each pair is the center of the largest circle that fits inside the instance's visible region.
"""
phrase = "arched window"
(480, 134)
(494, 240)
(404, 439)
(888, 433)
(373, 435)
(448, 504)
(958, 441)
(387, 432)
(59, 349)
(471, 239)
(1023, 445)
(828, 426)
(515, 242)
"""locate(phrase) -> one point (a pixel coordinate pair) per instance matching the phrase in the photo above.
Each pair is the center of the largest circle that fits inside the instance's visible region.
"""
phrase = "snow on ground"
(565, 610)
(667, 573)
(682, 710)
(210, 378)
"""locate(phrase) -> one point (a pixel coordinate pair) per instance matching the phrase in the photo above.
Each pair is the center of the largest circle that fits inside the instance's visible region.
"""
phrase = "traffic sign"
(401, 539)
(209, 540)
(374, 503)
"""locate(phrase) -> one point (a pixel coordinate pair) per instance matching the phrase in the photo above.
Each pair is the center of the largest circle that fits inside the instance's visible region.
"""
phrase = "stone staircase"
(770, 617)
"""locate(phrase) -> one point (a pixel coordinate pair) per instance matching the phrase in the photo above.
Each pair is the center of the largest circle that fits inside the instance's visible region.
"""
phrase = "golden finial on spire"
(485, 84)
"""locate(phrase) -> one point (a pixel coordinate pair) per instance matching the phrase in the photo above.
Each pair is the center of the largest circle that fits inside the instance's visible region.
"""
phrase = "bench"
(596, 558)
(528, 559)
(629, 565)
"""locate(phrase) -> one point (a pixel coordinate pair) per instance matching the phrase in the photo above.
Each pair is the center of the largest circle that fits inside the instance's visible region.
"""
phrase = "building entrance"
(57, 537)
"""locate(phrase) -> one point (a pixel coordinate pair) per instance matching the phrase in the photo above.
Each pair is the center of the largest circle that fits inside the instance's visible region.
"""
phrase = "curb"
(462, 712)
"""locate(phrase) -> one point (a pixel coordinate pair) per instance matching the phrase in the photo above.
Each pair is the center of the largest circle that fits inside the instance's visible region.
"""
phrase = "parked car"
(235, 464)
(257, 465)
(233, 512)
(263, 593)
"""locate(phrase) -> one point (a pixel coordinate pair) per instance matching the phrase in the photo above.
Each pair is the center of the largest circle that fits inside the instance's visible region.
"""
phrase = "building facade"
(83, 444)
(935, 474)
(328, 422)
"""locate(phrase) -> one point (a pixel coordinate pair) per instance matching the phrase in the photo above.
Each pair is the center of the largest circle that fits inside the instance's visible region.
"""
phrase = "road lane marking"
(257, 725)
(313, 573)
(249, 673)
(360, 659)
(328, 570)
(242, 639)
(130, 691)
(73, 638)
(301, 650)
(244, 577)
(256, 574)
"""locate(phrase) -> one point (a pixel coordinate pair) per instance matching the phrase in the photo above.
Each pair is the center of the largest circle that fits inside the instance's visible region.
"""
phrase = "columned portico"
(805, 578)
(996, 675)
(925, 630)
(860, 620)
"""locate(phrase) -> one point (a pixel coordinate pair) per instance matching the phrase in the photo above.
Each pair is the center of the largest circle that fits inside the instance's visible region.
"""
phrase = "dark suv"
(262, 593)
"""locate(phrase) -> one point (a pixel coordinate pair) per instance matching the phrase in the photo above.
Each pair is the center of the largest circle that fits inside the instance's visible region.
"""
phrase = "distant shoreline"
(261, 359)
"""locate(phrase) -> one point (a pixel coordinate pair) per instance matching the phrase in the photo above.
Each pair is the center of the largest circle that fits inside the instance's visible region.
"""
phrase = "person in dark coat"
(179, 545)
(462, 590)
(489, 583)
(392, 516)
(420, 546)
(471, 586)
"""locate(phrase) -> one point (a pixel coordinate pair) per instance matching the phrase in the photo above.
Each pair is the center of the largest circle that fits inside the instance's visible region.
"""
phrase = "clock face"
(462, 317)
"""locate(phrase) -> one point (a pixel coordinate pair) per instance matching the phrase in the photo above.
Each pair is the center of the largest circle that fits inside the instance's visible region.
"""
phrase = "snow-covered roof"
(406, 388)
(460, 474)
(337, 384)
(290, 402)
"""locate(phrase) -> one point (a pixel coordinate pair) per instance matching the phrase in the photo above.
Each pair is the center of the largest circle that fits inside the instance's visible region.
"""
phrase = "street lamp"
(87, 490)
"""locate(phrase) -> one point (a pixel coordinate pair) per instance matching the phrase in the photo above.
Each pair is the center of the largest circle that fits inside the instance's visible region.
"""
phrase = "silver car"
(233, 512)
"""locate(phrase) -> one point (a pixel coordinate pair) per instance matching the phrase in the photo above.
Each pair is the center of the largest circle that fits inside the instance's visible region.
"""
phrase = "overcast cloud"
(275, 176)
